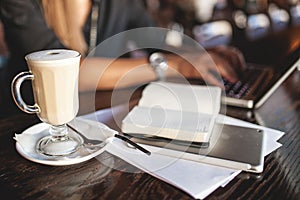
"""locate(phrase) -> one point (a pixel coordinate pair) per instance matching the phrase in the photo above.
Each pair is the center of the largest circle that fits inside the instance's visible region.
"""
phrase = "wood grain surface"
(23, 179)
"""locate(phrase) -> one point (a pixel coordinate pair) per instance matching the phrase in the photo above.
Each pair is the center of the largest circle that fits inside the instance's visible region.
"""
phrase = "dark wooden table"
(23, 179)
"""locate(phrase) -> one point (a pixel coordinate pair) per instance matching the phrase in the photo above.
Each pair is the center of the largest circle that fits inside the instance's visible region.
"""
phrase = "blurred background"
(257, 27)
(261, 29)
(241, 23)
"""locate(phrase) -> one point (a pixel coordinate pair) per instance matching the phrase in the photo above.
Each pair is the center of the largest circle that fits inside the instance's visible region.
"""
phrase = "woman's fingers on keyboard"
(233, 56)
(224, 68)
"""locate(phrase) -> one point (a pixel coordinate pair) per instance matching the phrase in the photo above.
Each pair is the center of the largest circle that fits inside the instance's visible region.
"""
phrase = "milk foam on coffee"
(55, 84)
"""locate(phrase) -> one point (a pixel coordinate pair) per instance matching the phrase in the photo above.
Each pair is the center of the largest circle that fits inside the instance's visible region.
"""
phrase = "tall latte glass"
(54, 76)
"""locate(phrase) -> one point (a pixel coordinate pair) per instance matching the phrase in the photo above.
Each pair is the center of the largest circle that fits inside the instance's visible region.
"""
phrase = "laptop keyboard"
(253, 81)
(248, 84)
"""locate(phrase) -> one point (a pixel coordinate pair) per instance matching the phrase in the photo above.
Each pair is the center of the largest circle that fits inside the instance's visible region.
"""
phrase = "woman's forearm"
(99, 73)
(107, 74)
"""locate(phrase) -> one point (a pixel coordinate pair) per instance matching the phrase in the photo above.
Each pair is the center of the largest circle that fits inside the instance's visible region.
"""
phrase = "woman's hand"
(226, 62)
(233, 57)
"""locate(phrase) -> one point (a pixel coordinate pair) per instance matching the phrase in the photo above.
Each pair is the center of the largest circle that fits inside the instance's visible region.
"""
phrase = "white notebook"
(174, 111)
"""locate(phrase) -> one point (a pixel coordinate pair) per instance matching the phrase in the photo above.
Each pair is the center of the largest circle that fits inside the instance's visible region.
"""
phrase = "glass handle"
(15, 90)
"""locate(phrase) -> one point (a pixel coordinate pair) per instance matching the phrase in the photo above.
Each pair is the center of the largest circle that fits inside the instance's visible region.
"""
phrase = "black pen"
(133, 144)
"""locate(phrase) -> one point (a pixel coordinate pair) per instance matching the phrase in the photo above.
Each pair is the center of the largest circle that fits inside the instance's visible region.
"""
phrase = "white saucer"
(26, 143)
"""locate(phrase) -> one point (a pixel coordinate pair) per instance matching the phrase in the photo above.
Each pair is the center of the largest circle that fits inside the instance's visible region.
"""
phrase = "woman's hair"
(63, 16)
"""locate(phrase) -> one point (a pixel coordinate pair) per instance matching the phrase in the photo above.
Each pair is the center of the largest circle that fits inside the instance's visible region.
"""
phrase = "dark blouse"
(26, 30)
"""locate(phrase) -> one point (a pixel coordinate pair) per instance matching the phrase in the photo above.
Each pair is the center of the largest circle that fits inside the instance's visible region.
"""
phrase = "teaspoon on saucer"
(96, 143)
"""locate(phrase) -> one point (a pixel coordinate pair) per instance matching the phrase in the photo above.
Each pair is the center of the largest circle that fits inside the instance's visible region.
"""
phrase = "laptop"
(258, 82)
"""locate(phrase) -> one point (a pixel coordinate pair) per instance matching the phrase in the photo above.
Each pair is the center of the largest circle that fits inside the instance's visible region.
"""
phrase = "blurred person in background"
(33, 25)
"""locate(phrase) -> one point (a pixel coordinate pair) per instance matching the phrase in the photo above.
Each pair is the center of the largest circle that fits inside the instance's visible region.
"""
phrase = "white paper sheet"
(197, 179)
